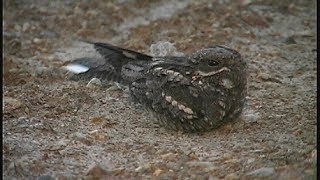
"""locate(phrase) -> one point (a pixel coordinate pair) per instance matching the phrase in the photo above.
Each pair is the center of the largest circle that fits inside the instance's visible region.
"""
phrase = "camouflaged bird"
(197, 92)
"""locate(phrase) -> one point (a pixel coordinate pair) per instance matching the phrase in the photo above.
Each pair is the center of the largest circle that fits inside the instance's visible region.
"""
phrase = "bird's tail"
(110, 67)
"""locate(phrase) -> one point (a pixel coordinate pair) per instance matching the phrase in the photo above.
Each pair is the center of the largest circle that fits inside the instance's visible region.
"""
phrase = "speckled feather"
(197, 92)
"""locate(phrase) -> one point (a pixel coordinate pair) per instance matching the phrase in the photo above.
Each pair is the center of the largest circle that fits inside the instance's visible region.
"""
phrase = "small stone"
(144, 168)
(92, 13)
(170, 72)
(170, 78)
(11, 103)
(48, 34)
(157, 172)
(250, 116)
(179, 77)
(158, 69)
(204, 164)
(45, 177)
(231, 176)
(246, 2)
(168, 156)
(264, 76)
(84, 24)
(290, 40)
(25, 27)
(164, 48)
(98, 135)
(265, 171)
(94, 131)
(37, 41)
(50, 58)
(77, 10)
(17, 27)
(96, 170)
(251, 160)
(176, 74)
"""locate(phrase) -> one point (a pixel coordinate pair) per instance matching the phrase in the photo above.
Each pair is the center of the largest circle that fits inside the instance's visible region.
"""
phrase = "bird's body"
(197, 92)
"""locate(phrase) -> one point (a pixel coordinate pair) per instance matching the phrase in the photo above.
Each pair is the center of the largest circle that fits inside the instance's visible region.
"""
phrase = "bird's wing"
(107, 68)
(106, 49)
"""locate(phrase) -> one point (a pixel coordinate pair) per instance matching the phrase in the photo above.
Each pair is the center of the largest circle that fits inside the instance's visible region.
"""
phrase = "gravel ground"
(56, 128)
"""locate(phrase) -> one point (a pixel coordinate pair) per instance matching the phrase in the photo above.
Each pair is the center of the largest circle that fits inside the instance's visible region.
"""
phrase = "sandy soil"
(53, 127)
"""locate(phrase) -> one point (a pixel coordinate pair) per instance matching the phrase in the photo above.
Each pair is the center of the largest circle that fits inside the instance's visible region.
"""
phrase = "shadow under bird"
(193, 93)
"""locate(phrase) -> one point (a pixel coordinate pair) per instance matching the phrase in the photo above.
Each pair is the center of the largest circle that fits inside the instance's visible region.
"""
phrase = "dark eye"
(212, 62)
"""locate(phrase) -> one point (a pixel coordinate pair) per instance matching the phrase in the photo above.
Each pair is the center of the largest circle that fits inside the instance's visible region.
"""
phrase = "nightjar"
(196, 92)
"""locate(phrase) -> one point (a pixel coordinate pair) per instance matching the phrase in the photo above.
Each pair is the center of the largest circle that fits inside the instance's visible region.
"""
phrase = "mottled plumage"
(197, 92)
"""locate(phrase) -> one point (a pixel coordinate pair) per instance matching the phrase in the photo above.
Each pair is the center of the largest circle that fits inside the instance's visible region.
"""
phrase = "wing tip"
(76, 68)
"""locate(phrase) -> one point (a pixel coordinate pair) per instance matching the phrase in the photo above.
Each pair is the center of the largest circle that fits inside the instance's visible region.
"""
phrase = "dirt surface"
(53, 127)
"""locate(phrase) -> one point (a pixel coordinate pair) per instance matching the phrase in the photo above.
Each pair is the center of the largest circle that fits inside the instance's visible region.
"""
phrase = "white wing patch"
(129, 55)
(76, 68)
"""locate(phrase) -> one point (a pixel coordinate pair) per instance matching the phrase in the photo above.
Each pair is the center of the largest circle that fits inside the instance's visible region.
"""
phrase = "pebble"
(49, 34)
(200, 164)
(290, 40)
(251, 160)
(144, 168)
(250, 116)
(17, 27)
(265, 171)
(97, 170)
(46, 177)
(164, 48)
(168, 156)
(25, 27)
(157, 172)
(264, 76)
(11, 103)
(231, 176)
(22, 121)
(92, 13)
(37, 41)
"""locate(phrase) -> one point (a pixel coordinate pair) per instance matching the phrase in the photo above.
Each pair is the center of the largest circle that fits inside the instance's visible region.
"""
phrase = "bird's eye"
(212, 62)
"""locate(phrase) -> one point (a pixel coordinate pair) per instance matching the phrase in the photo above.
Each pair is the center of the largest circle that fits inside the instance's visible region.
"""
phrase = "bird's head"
(217, 64)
